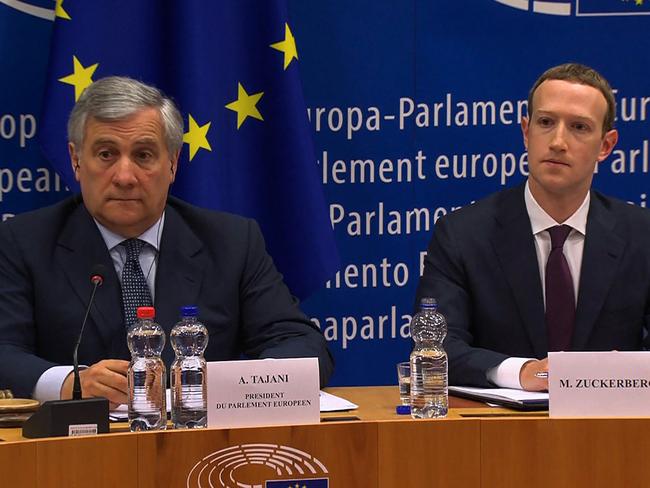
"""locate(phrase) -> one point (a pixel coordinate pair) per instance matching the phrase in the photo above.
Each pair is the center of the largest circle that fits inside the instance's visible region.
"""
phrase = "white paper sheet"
(507, 393)
(332, 403)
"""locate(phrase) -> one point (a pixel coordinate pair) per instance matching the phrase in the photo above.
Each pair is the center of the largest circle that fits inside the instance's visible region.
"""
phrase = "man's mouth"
(555, 161)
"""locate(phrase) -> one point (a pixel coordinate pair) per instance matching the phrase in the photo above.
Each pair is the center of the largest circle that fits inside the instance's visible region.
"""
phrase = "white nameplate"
(263, 392)
(599, 384)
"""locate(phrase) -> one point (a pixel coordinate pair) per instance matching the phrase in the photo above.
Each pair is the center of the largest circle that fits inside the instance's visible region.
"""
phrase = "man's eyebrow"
(103, 140)
(573, 116)
(146, 141)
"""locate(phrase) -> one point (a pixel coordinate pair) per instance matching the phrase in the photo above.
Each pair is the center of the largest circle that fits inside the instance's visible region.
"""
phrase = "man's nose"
(124, 173)
(558, 141)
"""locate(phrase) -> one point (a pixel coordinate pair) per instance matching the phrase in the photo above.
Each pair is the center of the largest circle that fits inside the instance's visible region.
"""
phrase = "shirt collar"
(151, 236)
(540, 220)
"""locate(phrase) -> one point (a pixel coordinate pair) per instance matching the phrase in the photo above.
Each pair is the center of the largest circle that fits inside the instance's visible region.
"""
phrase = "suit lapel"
(79, 248)
(515, 247)
(602, 252)
(180, 271)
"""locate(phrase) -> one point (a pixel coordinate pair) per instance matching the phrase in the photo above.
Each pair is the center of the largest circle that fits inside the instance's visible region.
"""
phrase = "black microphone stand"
(79, 416)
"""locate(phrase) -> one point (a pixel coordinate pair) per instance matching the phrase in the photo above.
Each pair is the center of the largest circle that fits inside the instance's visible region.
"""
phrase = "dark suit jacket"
(482, 267)
(211, 259)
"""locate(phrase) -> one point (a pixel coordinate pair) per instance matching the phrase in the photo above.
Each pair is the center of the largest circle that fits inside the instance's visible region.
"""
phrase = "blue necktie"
(135, 291)
(560, 300)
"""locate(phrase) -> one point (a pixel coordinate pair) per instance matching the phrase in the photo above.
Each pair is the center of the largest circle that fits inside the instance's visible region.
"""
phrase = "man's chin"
(124, 210)
(124, 223)
(560, 187)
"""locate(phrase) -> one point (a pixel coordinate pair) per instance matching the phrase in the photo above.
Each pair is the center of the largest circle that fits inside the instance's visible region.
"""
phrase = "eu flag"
(232, 68)
(613, 7)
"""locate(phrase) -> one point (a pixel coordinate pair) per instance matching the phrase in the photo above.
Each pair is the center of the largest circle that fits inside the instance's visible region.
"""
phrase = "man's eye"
(544, 122)
(144, 156)
(104, 155)
(579, 126)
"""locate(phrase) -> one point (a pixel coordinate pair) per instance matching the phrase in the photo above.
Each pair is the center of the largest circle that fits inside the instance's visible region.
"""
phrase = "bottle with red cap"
(146, 375)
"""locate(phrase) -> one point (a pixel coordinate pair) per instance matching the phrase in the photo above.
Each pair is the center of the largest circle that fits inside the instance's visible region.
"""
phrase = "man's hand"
(527, 377)
(106, 379)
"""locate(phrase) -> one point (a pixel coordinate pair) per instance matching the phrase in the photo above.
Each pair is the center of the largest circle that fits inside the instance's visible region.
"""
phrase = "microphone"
(97, 279)
(77, 416)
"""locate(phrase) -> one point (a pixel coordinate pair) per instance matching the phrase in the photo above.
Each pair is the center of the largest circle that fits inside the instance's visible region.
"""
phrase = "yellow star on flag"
(245, 105)
(639, 2)
(59, 11)
(288, 46)
(81, 79)
(196, 137)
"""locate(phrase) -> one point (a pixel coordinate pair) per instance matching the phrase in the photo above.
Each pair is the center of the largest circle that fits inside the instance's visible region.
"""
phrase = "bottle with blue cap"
(189, 338)
(429, 375)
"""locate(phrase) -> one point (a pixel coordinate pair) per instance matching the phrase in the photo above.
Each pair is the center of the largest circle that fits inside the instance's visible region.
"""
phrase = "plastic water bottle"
(146, 375)
(429, 396)
(189, 338)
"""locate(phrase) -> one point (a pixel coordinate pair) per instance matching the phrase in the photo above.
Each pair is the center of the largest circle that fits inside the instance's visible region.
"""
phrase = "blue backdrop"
(414, 107)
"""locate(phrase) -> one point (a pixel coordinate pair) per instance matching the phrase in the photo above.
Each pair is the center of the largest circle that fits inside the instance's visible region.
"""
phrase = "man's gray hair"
(116, 98)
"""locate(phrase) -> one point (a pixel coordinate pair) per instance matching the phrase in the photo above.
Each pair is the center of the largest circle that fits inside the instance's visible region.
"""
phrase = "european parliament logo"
(258, 466)
(582, 8)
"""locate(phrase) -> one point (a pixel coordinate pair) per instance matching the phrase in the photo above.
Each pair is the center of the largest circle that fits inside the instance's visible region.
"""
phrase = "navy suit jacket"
(214, 260)
(482, 267)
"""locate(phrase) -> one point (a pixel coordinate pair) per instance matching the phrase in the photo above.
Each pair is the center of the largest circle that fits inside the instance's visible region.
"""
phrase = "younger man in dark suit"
(550, 265)
(124, 141)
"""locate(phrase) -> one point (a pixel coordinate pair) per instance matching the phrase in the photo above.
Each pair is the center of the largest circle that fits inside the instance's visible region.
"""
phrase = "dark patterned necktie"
(135, 292)
(560, 300)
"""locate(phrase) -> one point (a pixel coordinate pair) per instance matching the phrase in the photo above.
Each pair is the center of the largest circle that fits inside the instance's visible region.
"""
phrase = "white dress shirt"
(148, 261)
(506, 374)
(48, 386)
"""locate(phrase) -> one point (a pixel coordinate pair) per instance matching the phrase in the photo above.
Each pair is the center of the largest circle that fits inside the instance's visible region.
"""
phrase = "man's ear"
(607, 145)
(524, 130)
(173, 166)
(74, 160)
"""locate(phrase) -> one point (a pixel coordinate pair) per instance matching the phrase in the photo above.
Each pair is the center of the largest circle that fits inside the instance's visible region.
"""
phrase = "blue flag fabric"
(613, 7)
(232, 68)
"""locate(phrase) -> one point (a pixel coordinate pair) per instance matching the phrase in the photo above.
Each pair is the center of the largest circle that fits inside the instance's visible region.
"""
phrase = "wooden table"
(475, 446)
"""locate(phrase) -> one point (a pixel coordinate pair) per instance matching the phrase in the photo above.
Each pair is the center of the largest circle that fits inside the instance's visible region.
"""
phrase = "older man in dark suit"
(124, 142)
(551, 265)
